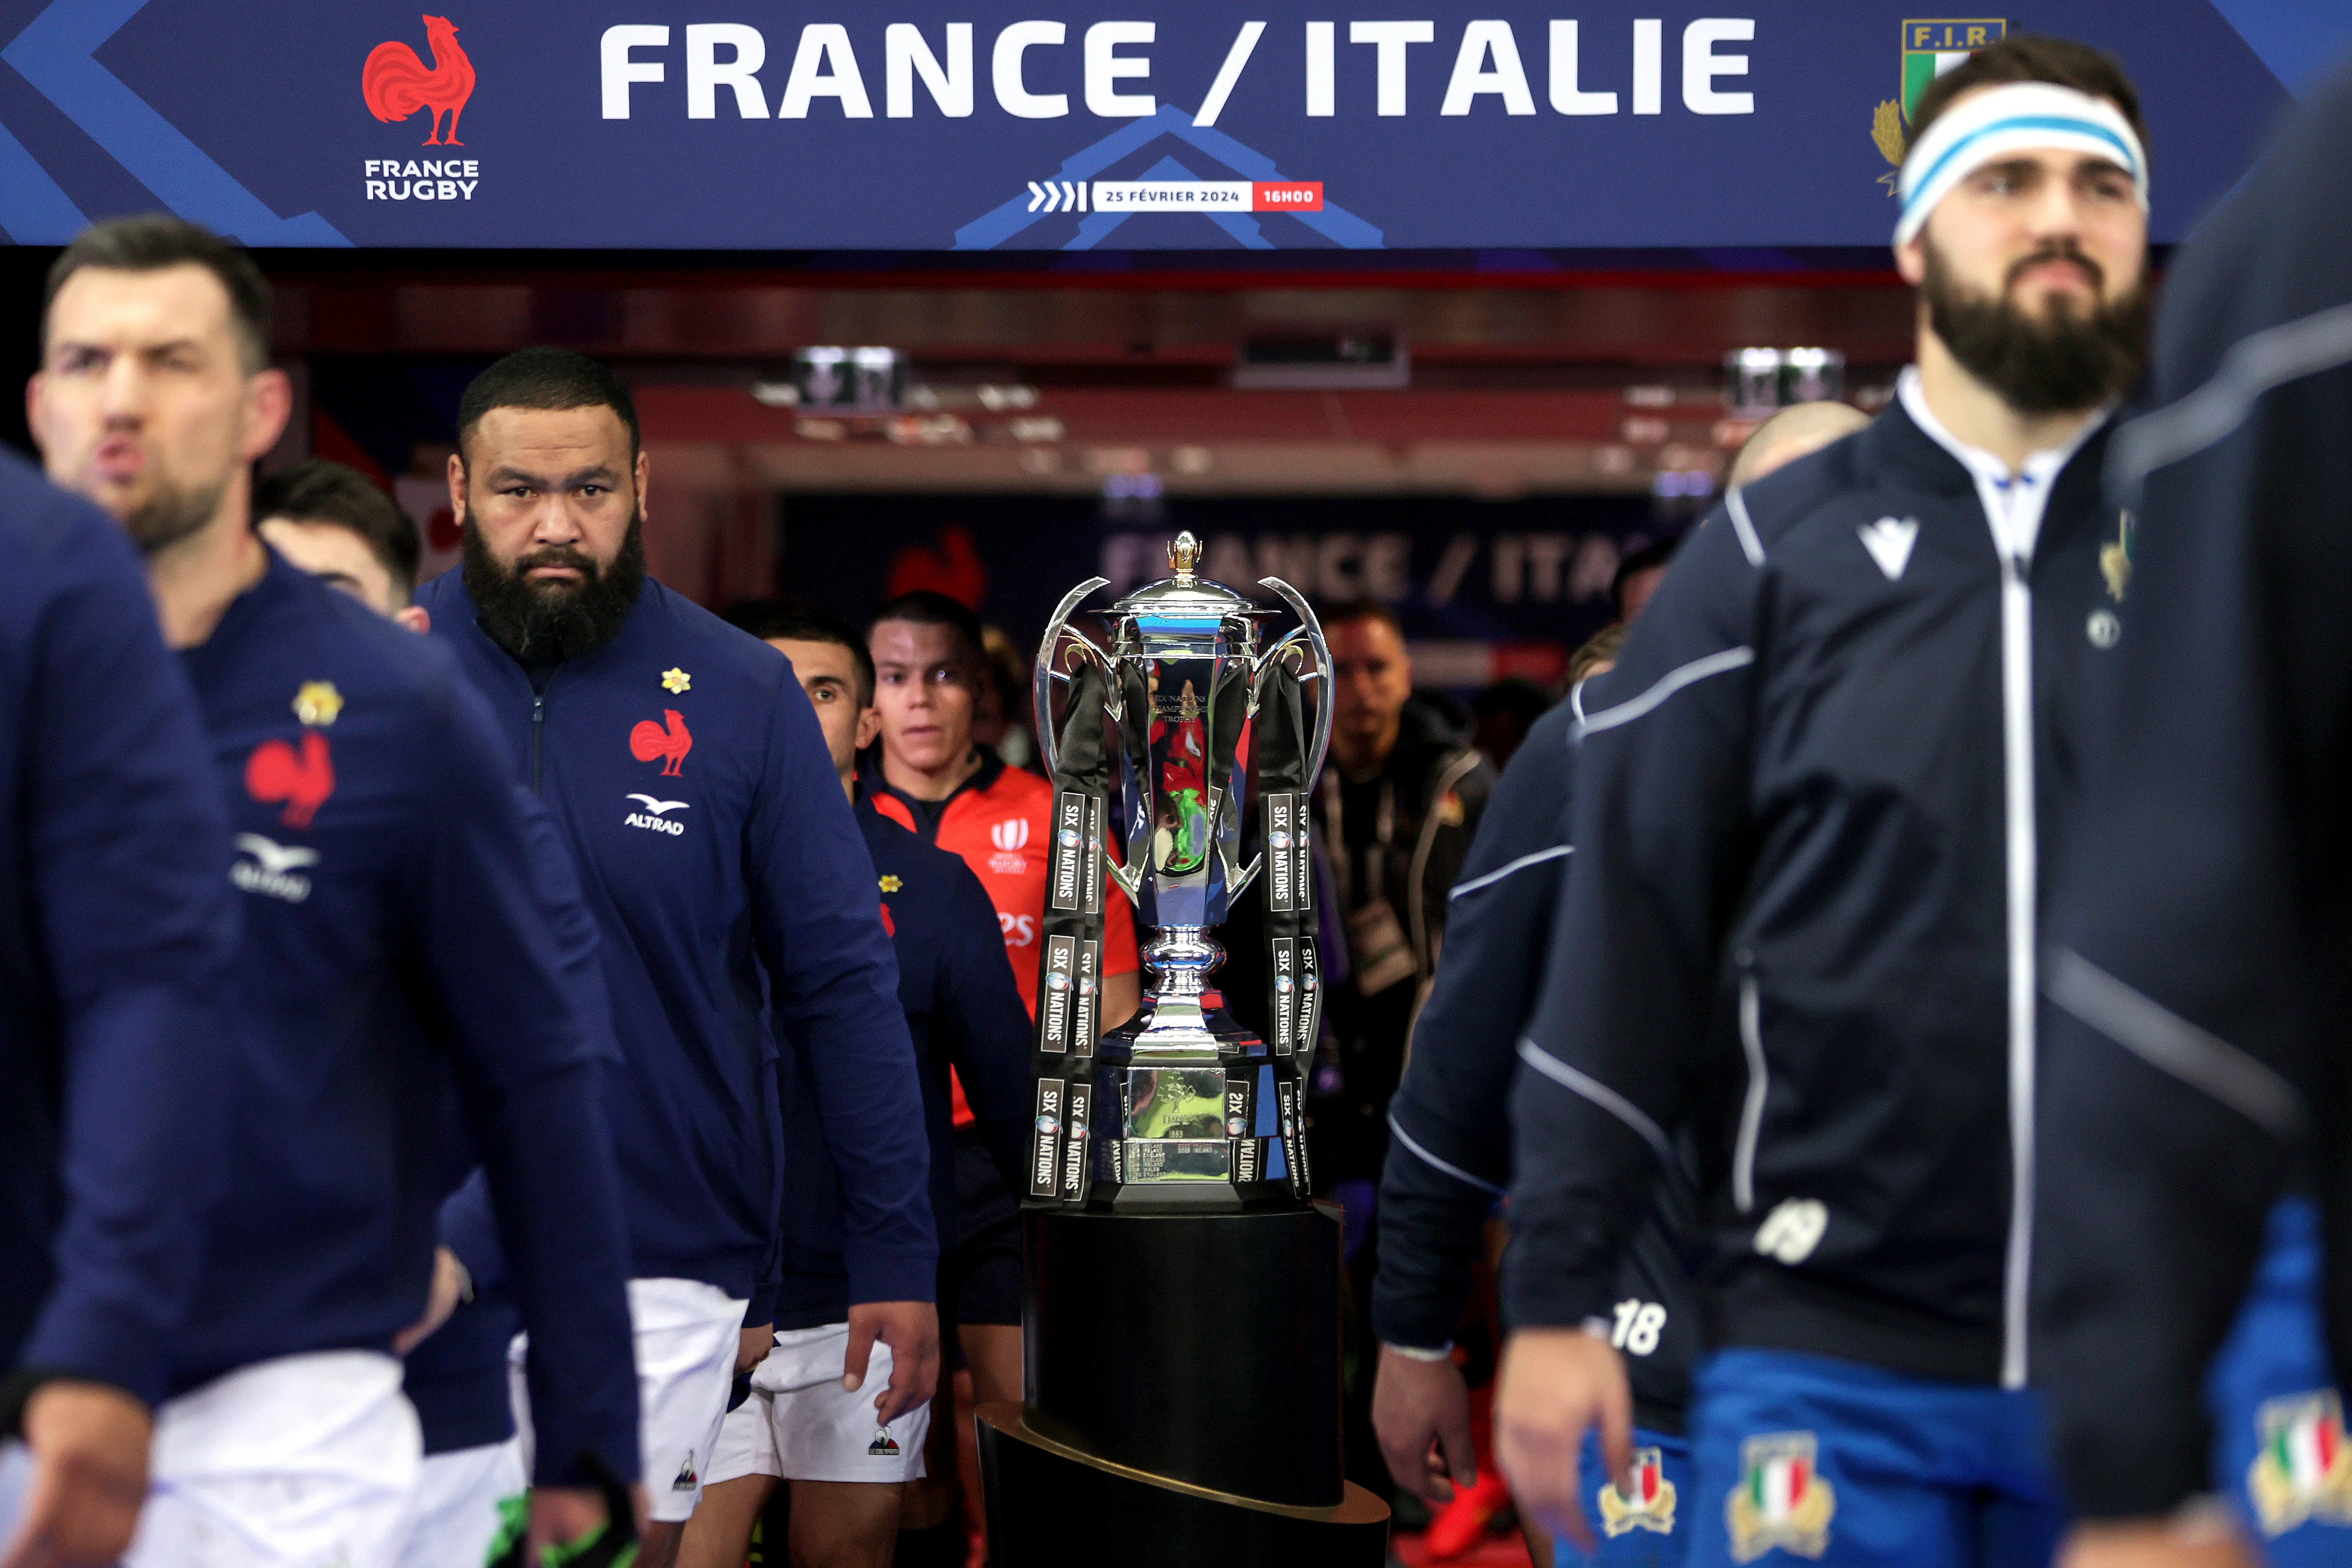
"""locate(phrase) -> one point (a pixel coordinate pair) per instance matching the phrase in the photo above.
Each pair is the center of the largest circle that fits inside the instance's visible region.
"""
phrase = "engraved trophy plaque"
(1153, 743)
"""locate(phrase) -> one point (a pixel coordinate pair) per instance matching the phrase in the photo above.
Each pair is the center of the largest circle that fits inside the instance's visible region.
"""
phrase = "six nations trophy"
(1180, 1302)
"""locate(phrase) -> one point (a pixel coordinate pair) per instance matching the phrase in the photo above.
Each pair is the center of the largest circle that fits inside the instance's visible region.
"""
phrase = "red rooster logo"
(275, 773)
(649, 740)
(396, 84)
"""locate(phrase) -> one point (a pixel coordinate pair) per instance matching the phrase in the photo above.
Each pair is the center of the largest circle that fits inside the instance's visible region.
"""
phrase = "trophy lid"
(1185, 596)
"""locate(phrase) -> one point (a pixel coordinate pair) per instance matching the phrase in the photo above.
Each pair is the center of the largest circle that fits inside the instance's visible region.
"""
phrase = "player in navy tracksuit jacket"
(962, 1012)
(397, 931)
(684, 770)
(1802, 924)
(2197, 991)
(396, 939)
(115, 939)
(1450, 1158)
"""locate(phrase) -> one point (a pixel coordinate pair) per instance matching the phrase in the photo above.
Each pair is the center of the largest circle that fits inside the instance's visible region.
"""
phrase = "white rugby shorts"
(291, 1463)
(457, 1498)
(800, 1424)
(685, 1333)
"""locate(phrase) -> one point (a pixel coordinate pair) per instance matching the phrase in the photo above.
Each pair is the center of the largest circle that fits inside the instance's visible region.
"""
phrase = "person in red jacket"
(926, 773)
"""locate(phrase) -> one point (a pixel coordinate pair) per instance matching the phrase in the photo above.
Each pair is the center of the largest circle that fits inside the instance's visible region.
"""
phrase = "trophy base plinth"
(1202, 1348)
(1050, 1503)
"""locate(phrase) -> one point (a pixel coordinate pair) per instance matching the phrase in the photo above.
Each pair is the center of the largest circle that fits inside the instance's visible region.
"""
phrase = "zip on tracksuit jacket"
(2200, 960)
(962, 1010)
(1450, 1159)
(684, 767)
(398, 933)
(1808, 822)
(115, 941)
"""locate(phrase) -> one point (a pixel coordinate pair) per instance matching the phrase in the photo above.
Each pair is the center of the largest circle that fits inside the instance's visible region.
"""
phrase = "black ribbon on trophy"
(1070, 942)
(1294, 970)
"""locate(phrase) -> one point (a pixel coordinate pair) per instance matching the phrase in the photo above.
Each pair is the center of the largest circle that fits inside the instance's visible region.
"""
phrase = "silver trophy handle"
(1313, 628)
(1042, 683)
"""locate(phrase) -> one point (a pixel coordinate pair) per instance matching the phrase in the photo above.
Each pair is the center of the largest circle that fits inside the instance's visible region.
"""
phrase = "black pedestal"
(1184, 1397)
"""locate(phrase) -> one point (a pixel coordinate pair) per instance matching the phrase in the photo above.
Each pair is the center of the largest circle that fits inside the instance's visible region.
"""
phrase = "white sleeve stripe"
(2254, 365)
(1426, 1158)
(1521, 864)
(1601, 1094)
(2170, 1043)
(1751, 546)
(1672, 681)
(1576, 702)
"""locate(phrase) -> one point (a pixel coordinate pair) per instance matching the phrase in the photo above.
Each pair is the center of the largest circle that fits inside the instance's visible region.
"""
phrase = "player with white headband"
(1798, 949)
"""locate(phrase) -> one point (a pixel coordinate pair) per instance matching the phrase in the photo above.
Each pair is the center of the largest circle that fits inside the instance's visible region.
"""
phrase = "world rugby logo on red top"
(396, 83)
(1010, 834)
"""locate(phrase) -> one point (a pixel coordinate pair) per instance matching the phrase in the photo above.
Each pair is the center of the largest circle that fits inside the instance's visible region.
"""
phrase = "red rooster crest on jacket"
(649, 740)
(304, 780)
(396, 84)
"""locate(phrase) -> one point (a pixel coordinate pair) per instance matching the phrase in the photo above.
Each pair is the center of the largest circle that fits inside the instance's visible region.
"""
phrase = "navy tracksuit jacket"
(115, 941)
(1801, 925)
(684, 770)
(2201, 931)
(400, 946)
(962, 1011)
(1451, 1157)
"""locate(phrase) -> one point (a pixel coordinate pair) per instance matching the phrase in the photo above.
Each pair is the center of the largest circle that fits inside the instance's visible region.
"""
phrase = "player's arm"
(1661, 826)
(2196, 979)
(507, 949)
(985, 1026)
(127, 859)
(1449, 1155)
(127, 840)
(834, 979)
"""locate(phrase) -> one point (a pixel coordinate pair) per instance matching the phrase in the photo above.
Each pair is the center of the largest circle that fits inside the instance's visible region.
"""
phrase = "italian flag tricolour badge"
(2302, 1469)
(1781, 1499)
(1651, 1502)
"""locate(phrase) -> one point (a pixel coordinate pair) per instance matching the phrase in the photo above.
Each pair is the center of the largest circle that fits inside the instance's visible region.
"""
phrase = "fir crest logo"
(1651, 1504)
(2303, 1470)
(1930, 49)
(2115, 556)
(1781, 1499)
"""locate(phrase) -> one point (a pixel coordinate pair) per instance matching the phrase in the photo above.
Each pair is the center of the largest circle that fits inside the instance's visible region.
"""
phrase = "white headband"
(2004, 120)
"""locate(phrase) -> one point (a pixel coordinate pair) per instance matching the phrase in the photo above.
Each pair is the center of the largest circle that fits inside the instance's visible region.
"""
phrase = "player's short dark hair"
(928, 607)
(2034, 57)
(1649, 558)
(323, 492)
(546, 378)
(765, 618)
(1365, 609)
(155, 241)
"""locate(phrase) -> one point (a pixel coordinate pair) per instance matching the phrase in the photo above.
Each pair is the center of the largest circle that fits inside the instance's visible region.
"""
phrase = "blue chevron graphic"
(55, 54)
(34, 209)
(1336, 224)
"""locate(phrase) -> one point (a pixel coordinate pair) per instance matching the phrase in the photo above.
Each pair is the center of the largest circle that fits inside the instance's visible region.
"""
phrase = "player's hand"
(448, 1285)
(89, 1445)
(561, 1516)
(1420, 1409)
(752, 1346)
(1555, 1384)
(2208, 1538)
(911, 1330)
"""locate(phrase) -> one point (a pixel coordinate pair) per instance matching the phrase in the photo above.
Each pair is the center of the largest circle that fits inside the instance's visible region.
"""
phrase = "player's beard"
(2061, 362)
(173, 513)
(547, 623)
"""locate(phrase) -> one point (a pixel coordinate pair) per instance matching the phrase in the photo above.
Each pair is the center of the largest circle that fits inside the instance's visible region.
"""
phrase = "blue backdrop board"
(926, 125)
